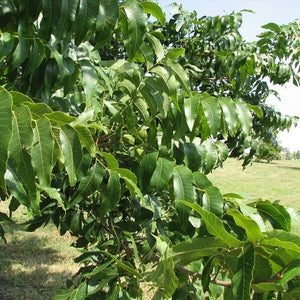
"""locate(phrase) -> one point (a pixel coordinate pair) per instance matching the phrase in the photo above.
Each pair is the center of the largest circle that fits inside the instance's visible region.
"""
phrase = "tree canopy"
(112, 116)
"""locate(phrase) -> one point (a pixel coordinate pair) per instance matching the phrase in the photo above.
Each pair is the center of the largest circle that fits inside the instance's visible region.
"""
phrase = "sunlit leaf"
(72, 151)
(5, 132)
(42, 151)
(162, 174)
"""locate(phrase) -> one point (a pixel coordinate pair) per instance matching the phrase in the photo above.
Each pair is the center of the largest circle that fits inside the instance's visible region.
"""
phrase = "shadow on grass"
(288, 167)
(30, 268)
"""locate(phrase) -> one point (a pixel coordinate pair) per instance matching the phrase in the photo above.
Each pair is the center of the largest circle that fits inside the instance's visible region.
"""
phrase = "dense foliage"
(110, 120)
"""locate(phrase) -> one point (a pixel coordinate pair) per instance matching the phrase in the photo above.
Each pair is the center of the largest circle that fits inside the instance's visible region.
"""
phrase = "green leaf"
(209, 155)
(252, 229)
(266, 287)
(157, 98)
(112, 193)
(169, 81)
(19, 55)
(71, 151)
(214, 225)
(51, 11)
(86, 138)
(133, 188)
(192, 110)
(42, 151)
(174, 53)
(133, 26)
(22, 137)
(53, 193)
(155, 10)
(192, 157)
(212, 114)
(126, 267)
(146, 169)
(241, 279)
(229, 116)
(6, 44)
(292, 271)
(16, 186)
(67, 14)
(286, 240)
(125, 173)
(5, 132)
(162, 174)
(256, 109)
(111, 161)
(195, 248)
(201, 181)
(106, 21)
(222, 150)
(59, 118)
(213, 200)
(183, 190)
(86, 16)
(272, 26)
(180, 74)
(89, 79)
(157, 46)
(276, 214)
(142, 107)
(37, 54)
(88, 184)
(244, 116)
(38, 109)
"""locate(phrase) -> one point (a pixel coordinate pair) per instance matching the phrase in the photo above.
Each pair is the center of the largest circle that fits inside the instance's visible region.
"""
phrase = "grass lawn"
(279, 180)
(35, 265)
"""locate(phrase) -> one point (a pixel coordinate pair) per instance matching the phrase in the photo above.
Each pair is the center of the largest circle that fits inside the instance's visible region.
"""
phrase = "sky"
(266, 11)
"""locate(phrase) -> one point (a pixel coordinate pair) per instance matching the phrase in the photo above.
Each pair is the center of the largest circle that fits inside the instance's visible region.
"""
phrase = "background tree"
(109, 125)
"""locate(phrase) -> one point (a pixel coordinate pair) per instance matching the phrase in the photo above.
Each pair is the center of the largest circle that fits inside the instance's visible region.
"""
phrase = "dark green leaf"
(276, 214)
(106, 21)
(88, 184)
(112, 193)
(19, 55)
(37, 54)
(6, 44)
(86, 17)
(241, 279)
